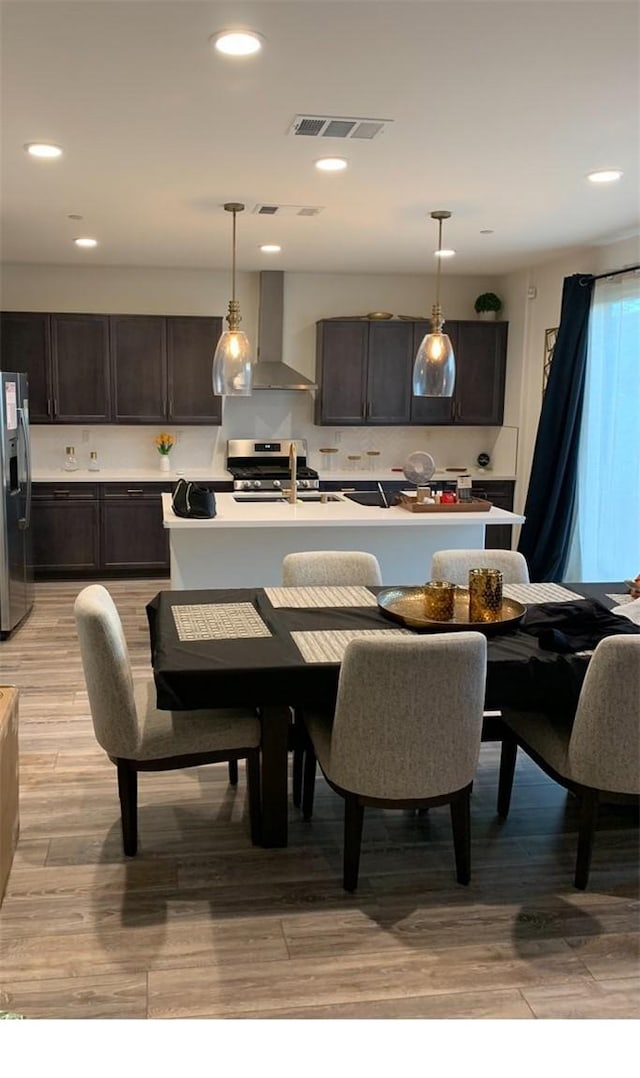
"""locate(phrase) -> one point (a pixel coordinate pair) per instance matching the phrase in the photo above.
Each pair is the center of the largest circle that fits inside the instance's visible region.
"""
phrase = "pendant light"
(434, 370)
(232, 370)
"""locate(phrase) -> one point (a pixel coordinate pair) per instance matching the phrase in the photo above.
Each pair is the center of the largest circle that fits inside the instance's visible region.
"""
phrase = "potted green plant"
(488, 306)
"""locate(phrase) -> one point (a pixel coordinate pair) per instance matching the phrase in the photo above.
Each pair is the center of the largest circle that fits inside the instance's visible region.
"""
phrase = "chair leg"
(309, 782)
(253, 787)
(507, 769)
(297, 739)
(586, 832)
(233, 772)
(353, 818)
(128, 793)
(460, 809)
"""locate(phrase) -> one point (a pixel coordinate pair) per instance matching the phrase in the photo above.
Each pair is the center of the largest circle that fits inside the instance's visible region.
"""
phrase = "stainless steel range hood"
(269, 372)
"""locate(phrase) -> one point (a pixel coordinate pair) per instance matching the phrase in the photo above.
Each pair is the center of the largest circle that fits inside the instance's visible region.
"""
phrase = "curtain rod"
(611, 273)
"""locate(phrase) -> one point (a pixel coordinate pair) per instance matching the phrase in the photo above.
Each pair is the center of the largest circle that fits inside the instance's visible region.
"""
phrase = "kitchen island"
(244, 544)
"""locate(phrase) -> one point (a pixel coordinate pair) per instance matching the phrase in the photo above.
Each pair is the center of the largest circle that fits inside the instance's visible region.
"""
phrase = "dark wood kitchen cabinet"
(131, 533)
(500, 493)
(24, 346)
(66, 358)
(64, 524)
(363, 370)
(80, 384)
(161, 369)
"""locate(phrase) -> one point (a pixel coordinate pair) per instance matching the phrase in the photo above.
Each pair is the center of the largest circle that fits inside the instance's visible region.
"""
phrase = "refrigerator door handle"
(25, 521)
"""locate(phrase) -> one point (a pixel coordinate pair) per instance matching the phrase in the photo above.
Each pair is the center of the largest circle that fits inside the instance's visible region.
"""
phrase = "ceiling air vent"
(337, 127)
(271, 209)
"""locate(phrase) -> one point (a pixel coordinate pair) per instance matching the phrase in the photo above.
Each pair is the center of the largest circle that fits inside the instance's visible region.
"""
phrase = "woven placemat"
(218, 621)
(321, 596)
(328, 645)
(539, 593)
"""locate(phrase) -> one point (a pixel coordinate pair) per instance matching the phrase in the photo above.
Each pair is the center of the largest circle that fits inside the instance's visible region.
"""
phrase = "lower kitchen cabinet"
(131, 533)
(500, 493)
(65, 529)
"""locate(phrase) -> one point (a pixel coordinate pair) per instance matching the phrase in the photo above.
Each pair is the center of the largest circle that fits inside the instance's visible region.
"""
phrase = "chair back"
(604, 749)
(454, 565)
(408, 717)
(107, 672)
(311, 568)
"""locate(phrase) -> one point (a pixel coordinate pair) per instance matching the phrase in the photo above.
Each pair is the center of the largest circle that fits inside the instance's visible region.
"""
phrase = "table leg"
(275, 748)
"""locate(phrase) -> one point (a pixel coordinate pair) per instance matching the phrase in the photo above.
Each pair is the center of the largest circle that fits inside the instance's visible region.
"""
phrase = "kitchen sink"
(273, 496)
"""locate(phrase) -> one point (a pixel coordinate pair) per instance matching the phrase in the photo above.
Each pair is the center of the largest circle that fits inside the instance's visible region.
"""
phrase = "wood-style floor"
(201, 924)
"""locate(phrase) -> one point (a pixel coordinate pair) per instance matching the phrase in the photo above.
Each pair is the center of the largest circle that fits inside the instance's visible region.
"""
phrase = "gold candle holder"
(485, 595)
(439, 600)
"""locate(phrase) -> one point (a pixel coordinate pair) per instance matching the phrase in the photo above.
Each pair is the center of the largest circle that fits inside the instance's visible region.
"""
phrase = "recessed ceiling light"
(605, 175)
(85, 241)
(331, 164)
(445, 252)
(237, 42)
(487, 231)
(43, 149)
(74, 216)
(271, 248)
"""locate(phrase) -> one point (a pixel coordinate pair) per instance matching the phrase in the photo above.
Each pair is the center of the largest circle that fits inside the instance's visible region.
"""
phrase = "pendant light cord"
(439, 257)
(233, 259)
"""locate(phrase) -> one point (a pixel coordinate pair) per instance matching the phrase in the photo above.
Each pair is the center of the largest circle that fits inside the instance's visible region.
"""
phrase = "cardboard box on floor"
(9, 819)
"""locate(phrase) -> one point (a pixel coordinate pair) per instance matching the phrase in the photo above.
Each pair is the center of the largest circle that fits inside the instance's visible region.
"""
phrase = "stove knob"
(277, 484)
(304, 483)
(256, 484)
(245, 484)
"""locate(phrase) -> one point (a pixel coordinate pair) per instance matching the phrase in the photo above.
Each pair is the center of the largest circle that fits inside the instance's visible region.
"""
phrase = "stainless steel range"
(265, 465)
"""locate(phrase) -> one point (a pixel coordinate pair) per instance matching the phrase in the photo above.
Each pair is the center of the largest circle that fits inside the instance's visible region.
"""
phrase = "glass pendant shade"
(434, 369)
(232, 370)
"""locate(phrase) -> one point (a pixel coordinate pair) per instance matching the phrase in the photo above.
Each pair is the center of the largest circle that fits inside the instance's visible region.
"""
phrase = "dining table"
(274, 649)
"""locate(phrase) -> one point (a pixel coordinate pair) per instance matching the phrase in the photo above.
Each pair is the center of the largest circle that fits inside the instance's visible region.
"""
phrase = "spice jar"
(70, 459)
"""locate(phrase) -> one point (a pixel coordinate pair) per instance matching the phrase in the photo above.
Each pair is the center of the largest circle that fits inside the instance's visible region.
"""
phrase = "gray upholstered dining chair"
(597, 755)
(136, 735)
(454, 565)
(317, 568)
(311, 568)
(405, 733)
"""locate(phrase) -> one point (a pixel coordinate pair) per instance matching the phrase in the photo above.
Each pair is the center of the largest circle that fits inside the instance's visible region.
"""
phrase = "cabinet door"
(500, 494)
(434, 411)
(65, 536)
(138, 368)
(481, 356)
(191, 343)
(341, 372)
(132, 535)
(390, 366)
(80, 368)
(24, 346)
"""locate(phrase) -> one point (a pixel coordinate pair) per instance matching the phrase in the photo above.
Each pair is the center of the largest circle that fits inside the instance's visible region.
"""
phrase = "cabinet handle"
(61, 493)
(135, 491)
(170, 412)
(48, 405)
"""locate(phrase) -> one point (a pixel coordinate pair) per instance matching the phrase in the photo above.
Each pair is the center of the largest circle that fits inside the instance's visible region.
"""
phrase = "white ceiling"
(499, 110)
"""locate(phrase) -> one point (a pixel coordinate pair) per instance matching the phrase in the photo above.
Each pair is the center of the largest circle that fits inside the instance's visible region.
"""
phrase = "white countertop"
(203, 475)
(342, 513)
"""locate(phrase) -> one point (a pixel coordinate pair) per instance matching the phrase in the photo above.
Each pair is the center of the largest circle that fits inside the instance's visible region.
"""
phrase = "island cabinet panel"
(131, 533)
(65, 529)
(80, 368)
(138, 368)
(341, 372)
(24, 346)
(191, 343)
(500, 493)
(389, 369)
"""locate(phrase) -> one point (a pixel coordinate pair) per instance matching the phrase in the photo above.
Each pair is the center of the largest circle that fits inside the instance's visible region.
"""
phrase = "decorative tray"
(406, 605)
(474, 505)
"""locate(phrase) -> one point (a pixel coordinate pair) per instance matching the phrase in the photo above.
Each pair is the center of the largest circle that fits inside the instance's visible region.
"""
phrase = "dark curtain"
(545, 535)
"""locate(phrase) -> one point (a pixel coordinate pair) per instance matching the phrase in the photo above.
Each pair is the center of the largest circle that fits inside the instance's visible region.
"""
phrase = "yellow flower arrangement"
(164, 443)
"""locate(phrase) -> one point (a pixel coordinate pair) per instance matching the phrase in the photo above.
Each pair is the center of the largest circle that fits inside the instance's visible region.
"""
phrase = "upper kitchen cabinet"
(191, 343)
(24, 346)
(363, 370)
(161, 369)
(80, 368)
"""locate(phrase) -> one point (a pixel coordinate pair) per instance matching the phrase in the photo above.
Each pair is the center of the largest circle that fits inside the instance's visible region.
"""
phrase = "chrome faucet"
(293, 467)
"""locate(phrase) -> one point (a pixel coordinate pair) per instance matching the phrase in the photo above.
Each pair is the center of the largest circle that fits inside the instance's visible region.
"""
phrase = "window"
(605, 543)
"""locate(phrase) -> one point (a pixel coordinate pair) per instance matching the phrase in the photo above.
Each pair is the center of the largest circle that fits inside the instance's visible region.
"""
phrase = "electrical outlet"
(85, 436)
(178, 435)
(338, 437)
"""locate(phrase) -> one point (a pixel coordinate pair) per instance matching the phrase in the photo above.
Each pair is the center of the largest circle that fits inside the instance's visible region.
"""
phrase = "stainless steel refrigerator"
(16, 562)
